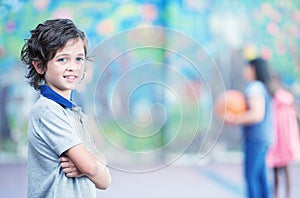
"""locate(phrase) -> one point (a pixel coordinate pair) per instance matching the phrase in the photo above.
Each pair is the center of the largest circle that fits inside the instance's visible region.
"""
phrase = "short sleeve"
(255, 89)
(58, 129)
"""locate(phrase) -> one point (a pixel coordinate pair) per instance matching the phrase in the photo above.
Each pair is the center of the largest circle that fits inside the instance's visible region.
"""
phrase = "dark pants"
(255, 170)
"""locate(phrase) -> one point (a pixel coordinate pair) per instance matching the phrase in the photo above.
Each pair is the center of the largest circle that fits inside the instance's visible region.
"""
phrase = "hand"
(69, 167)
(231, 118)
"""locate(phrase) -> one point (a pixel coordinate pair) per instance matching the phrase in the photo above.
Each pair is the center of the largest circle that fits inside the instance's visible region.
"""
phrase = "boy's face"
(65, 70)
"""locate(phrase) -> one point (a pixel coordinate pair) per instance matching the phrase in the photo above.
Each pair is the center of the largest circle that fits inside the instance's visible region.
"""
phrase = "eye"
(62, 60)
(80, 59)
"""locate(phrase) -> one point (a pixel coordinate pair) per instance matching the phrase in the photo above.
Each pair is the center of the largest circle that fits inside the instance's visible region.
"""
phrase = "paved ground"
(175, 181)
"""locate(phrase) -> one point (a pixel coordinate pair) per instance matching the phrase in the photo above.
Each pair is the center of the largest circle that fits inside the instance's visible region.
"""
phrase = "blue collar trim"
(52, 95)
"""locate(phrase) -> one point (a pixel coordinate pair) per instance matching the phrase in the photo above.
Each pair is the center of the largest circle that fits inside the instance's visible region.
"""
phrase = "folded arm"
(78, 161)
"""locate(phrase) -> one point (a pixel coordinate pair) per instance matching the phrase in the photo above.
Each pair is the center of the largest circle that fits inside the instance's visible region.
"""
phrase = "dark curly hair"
(45, 40)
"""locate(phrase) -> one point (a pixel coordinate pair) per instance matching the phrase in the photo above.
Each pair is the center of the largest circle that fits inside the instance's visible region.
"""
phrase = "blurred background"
(227, 34)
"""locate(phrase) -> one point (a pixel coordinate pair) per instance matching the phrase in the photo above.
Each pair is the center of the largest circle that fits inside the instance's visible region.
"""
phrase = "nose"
(74, 66)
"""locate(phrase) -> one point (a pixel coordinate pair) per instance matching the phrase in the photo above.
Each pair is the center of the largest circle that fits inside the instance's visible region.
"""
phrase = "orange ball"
(232, 101)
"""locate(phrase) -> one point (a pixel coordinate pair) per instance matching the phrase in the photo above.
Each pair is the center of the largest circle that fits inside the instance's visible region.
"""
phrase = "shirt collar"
(52, 95)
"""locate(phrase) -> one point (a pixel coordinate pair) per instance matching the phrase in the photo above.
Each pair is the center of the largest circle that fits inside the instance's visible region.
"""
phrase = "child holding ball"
(256, 123)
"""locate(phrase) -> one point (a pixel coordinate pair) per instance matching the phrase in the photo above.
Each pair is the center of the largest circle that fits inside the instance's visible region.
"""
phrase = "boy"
(60, 158)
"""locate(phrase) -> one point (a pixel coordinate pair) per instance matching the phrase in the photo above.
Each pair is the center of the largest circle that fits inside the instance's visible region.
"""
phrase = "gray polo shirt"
(55, 125)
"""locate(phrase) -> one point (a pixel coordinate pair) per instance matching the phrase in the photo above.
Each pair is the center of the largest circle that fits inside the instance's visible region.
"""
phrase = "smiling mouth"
(70, 77)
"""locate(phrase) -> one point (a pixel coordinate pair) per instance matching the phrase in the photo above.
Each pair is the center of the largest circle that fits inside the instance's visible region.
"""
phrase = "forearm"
(102, 179)
(90, 165)
(249, 118)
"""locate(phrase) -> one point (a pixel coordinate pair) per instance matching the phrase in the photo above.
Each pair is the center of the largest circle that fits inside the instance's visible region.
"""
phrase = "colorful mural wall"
(230, 31)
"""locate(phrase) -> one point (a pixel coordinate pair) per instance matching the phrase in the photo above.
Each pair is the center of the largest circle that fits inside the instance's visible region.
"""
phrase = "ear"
(38, 67)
